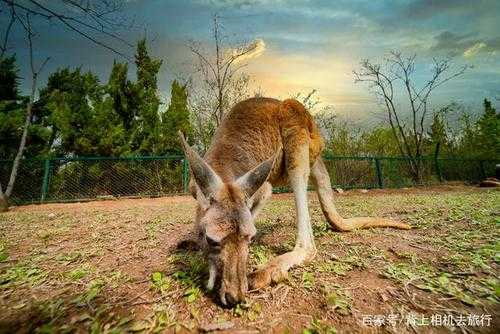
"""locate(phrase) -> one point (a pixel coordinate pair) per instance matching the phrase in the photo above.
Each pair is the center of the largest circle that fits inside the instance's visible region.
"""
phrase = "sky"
(304, 45)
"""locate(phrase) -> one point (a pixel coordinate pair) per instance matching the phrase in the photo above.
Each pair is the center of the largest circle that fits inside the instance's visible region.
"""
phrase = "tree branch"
(73, 23)
(3, 48)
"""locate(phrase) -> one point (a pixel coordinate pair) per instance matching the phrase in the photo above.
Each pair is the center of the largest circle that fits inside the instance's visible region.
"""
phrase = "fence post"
(185, 175)
(438, 170)
(380, 176)
(436, 162)
(45, 182)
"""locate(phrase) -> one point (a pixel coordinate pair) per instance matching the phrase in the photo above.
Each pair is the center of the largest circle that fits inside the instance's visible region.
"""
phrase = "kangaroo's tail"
(321, 181)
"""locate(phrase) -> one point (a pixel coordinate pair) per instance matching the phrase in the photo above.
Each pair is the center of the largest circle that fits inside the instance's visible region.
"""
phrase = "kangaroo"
(261, 143)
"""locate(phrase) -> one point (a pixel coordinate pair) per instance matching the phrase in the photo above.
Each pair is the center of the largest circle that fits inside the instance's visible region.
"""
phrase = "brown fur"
(255, 130)
(261, 142)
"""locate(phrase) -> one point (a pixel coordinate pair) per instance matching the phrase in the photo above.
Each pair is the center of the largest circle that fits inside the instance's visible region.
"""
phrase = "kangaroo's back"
(255, 130)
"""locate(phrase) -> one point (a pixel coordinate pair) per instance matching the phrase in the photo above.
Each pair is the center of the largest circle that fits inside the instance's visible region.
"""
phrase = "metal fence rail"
(84, 178)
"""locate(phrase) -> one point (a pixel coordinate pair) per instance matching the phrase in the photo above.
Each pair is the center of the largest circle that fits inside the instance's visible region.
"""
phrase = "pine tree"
(83, 119)
(437, 131)
(147, 68)
(124, 94)
(13, 113)
(438, 137)
(146, 134)
(9, 79)
(488, 137)
(11, 108)
(176, 118)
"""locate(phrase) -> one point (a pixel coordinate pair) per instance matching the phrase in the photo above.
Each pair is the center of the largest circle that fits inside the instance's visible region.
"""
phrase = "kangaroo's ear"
(206, 179)
(255, 178)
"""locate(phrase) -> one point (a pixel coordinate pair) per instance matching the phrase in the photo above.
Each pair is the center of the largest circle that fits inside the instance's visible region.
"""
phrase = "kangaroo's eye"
(212, 243)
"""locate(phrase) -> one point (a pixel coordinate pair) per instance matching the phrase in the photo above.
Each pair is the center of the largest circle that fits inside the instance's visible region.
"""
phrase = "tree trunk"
(4, 204)
(417, 172)
(22, 144)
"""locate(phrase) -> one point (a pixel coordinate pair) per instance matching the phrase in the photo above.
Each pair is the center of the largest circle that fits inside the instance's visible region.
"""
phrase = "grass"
(22, 274)
(4, 255)
(92, 291)
(78, 273)
(338, 299)
(317, 327)
(160, 283)
(335, 267)
(114, 267)
(160, 320)
(308, 280)
(191, 273)
(259, 254)
(68, 258)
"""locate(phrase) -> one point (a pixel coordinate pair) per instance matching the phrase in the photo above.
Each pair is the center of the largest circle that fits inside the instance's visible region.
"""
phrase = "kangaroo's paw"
(277, 269)
(268, 275)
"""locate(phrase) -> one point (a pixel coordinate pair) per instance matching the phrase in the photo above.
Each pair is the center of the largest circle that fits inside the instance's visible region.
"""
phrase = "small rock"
(364, 191)
(339, 190)
(51, 215)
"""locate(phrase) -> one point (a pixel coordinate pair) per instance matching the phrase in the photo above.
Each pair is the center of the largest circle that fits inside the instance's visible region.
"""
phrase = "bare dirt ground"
(114, 266)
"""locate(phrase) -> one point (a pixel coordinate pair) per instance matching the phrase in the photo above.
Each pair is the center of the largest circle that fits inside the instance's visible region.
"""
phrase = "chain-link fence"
(76, 179)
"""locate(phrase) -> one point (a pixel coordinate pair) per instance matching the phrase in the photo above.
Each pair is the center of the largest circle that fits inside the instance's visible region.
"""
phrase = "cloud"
(467, 45)
(236, 3)
(252, 50)
(474, 50)
(422, 9)
(453, 44)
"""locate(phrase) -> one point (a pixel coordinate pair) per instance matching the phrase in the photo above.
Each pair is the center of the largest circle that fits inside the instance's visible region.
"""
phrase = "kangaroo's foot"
(277, 269)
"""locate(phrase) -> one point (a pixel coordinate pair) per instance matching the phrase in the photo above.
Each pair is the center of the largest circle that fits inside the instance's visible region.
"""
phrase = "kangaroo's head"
(225, 223)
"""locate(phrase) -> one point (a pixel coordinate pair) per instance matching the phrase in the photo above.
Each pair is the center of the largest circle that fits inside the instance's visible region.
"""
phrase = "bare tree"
(35, 71)
(309, 100)
(90, 19)
(222, 83)
(5, 42)
(397, 75)
(94, 20)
